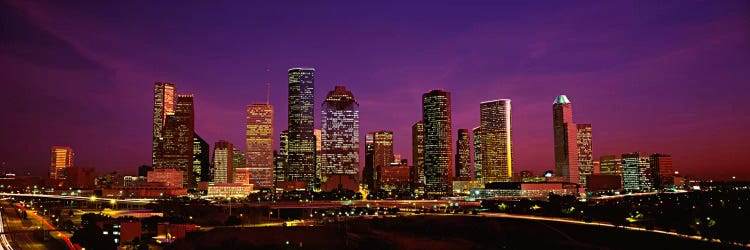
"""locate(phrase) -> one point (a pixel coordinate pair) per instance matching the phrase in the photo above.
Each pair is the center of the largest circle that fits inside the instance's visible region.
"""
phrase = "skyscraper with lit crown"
(565, 139)
(340, 133)
(436, 115)
(164, 104)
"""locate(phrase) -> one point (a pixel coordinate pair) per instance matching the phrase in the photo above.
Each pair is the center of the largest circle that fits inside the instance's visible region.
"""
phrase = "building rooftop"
(561, 99)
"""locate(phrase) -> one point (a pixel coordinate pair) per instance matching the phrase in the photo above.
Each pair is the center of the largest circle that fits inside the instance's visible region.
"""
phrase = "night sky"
(655, 76)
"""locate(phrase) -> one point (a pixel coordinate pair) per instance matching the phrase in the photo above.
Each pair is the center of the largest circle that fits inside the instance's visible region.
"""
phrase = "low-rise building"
(229, 190)
(170, 177)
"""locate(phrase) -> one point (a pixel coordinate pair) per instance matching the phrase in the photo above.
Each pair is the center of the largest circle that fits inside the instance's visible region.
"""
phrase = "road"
(25, 239)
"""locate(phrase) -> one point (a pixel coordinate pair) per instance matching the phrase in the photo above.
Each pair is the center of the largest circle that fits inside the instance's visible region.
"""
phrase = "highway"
(4, 243)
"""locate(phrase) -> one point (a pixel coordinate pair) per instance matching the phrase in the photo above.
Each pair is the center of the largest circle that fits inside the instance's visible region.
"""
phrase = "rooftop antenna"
(268, 92)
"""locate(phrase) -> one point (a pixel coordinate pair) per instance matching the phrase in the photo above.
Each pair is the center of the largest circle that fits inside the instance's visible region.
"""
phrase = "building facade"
(61, 159)
(340, 133)
(636, 172)
(169, 176)
(383, 148)
(477, 133)
(496, 140)
(164, 104)
(565, 139)
(223, 162)
(436, 115)
(417, 154)
(301, 154)
(610, 164)
(463, 156)
(259, 141)
(585, 153)
(661, 171)
(201, 160)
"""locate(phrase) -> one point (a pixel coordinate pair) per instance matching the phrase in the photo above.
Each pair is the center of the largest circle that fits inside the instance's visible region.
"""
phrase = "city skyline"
(671, 129)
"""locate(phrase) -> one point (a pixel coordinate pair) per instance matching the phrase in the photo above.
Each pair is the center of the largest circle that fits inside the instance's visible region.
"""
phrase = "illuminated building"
(223, 162)
(530, 190)
(464, 187)
(438, 142)
(259, 141)
(636, 171)
(395, 176)
(610, 164)
(318, 154)
(301, 158)
(280, 167)
(463, 157)
(477, 132)
(369, 175)
(164, 104)
(170, 177)
(176, 147)
(382, 148)
(242, 176)
(496, 141)
(585, 152)
(237, 190)
(238, 161)
(565, 139)
(61, 158)
(417, 154)
(661, 171)
(340, 133)
(201, 160)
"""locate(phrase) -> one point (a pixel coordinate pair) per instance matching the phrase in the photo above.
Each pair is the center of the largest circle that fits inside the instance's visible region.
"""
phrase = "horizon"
(643, 85)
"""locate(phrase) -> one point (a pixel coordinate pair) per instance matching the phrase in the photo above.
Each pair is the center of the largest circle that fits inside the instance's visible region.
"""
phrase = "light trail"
(4, 244)
(63, 236)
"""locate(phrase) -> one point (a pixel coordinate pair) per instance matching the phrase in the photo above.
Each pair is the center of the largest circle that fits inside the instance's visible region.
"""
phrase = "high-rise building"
(259, 141)
(242, 176)
(438, 149)
(585, 153)
(164, 104)
(238, 161)
(223, 162)
(281, 160)
(610, 165)
(278, 167)
(496, 141)
(340, 133)
(565, 139)
(477, 133)
(318, 156)
(661, 171)
(417, 154)
(175, 147)
(636, 171)
(61, 158)
(369, 176)
(463, 157)
(201, 159)
(383, 148)
(301, 158)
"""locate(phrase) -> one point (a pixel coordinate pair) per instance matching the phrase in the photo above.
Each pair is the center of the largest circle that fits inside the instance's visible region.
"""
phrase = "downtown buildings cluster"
(328, 158)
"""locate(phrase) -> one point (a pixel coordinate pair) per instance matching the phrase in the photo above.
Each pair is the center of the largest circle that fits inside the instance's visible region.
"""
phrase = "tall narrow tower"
(496, 141)
(340, 133)
(164, 104)
(301, 158)
(436, 114)
(566, 139)
(259, 142)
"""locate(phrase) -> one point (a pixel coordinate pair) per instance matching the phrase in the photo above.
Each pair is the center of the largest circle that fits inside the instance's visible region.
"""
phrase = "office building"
(281, 160)
(585, 152)
(340, 133)
(496, 140)
(383, 148)
(565, 139)
(169, 176)
(201, 159)
(477, 133)
(417, 154)
(369, 177)
(301, 154)
(259, 141)
(164, 104)
(223, 162)
(463, 157)
(661, 171)
(610, 164)
(61, 159)
(636, 172)
(436, 115)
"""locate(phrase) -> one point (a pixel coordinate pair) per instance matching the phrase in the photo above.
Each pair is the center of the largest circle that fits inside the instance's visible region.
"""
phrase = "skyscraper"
(318, 158)
(463, 157)
(164, 104)
(417, 153)
(238, 161)
(368, 172)
(281, 165)
(61, 159)
(201, 159)
(301, 158)
(661, 171)
(223, 162)
(477, 132)
(565, 139)
(636, 171)
(610, 164)
(585, 152)
(436, 115)
(496, 141)
(174, 123)
(383, 148)
(259, 141)
(340, 133)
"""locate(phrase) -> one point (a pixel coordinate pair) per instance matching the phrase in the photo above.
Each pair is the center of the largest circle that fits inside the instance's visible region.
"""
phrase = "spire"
(561, 99)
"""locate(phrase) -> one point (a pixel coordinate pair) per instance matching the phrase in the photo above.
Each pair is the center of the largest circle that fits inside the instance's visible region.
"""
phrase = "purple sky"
(654, 76)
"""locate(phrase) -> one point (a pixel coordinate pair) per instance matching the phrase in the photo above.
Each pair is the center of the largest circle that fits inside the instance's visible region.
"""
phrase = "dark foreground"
(439, 232)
